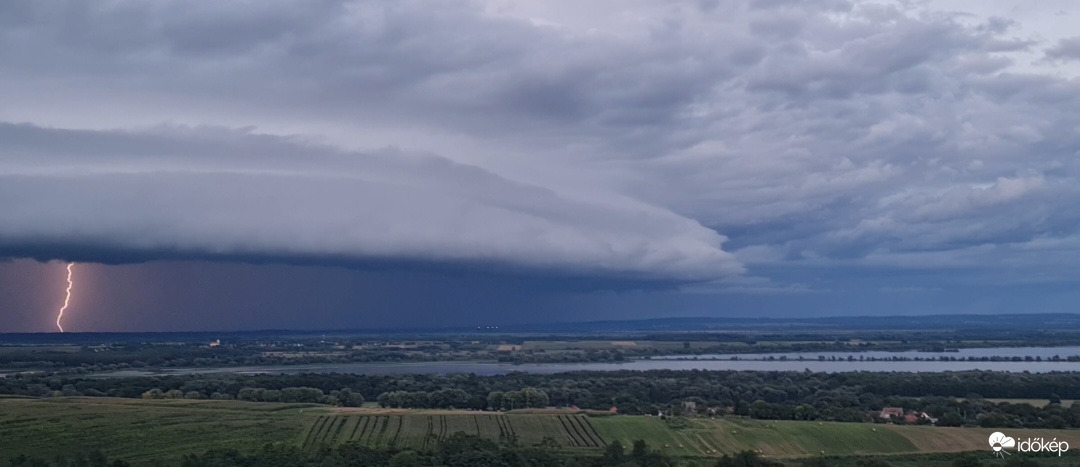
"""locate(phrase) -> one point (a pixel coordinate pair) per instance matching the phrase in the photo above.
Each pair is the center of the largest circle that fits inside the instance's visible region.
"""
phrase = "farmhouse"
(890, 412)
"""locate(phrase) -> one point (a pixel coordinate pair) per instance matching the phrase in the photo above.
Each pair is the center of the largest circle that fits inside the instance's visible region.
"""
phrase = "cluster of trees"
(465, 450)
(581, 355)
(119, 355)
(953, 397)
(453, 398)
(457, 450)
(457, 398)
(639, 456)
(134, 351)
(523, 399)
(344, 397)
(92, 459)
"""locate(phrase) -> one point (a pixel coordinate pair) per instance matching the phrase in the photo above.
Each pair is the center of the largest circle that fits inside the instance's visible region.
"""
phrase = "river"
(786, 361)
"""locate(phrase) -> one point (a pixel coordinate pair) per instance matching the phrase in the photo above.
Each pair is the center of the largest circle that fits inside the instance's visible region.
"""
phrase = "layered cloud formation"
(218, 194)
(617, 139)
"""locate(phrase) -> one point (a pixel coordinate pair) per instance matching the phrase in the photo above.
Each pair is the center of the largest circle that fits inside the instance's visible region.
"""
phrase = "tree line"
(954, 398)
(457, 450)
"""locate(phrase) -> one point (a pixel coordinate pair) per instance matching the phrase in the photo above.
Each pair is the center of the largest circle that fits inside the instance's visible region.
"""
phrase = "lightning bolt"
(67, 297)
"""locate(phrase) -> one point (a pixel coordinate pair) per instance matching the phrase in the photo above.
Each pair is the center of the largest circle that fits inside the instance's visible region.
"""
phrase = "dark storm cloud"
(882, 134)
(218, 295)
(206, 193)
(589, 138)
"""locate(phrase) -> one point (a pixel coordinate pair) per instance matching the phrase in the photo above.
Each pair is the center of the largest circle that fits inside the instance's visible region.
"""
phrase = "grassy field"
(699, 437)
(419, 430)
(144, 430)
(141, 430)
(787, 439)
(774, 439)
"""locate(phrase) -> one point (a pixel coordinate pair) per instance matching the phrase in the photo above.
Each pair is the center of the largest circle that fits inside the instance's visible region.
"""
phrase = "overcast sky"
(330, 164)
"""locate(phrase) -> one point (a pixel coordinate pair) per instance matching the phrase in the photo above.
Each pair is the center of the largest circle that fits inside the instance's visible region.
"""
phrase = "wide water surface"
(1043, 353)
(758, 362)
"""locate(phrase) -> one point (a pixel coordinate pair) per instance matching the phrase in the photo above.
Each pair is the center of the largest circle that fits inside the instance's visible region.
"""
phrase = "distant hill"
(1026, 322)
(997, 323)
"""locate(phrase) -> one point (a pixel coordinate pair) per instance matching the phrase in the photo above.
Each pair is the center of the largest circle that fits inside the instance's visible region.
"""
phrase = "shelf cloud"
(210, 193)
(788, 148)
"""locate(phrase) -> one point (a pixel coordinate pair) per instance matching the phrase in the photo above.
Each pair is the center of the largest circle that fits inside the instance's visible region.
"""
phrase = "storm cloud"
(748, 148)
(184, 192)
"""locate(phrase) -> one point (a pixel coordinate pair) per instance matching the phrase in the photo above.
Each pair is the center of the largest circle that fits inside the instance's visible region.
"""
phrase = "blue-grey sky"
(270, 164)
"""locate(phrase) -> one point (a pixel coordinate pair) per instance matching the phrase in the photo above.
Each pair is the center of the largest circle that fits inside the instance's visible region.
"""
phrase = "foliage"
(458, 450)
(968, 460)
(763, 395)
(746, 459)
(92, 459)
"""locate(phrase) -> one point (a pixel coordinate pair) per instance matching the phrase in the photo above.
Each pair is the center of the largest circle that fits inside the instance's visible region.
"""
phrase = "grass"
(774, 439)
(154, 432)
(140, 431)
(794, 439)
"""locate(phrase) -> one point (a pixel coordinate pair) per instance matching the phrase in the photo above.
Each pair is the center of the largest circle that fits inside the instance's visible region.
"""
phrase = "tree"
(495, 400)
(805, 412)
(746, 458)
(450, 398)
(23, 461)
(639, 450)
(549, 444)
(468, 450)
(950, 419)
(301, 394)
(405, 459)
(247, 394)
(614, 454)
(1017, 461)
(349, 398)
(968, 460)
(535, 398)
(513, 400)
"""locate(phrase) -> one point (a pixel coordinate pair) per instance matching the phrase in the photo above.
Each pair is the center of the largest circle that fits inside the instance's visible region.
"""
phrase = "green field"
(141, 430)
(422, 430)
(144, 430)
(775, 439)
(699, 437)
